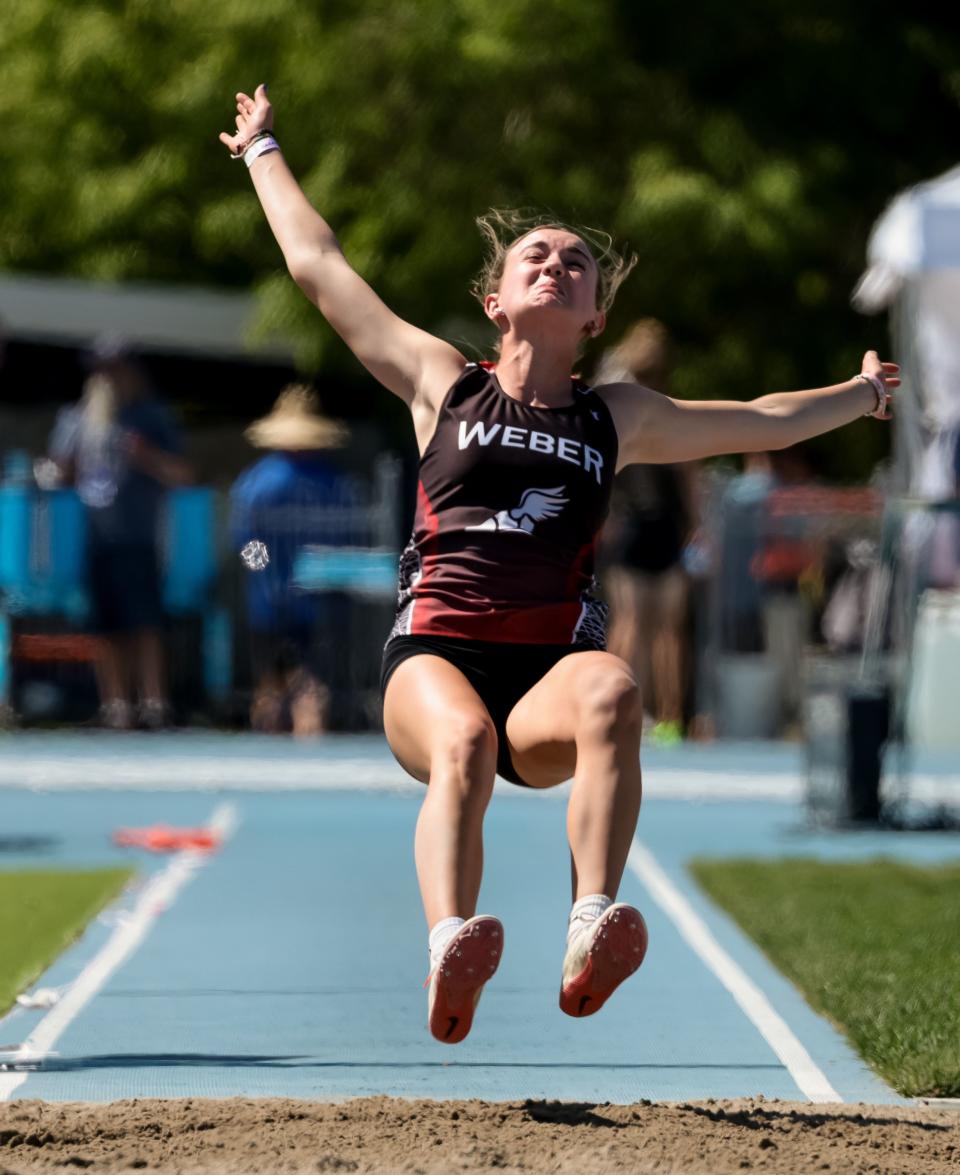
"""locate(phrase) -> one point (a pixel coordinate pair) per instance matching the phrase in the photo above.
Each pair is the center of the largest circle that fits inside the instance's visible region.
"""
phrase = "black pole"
(868, 725)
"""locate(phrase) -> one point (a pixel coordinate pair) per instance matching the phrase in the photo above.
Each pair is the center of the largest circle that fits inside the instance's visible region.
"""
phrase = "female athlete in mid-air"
(497, 662)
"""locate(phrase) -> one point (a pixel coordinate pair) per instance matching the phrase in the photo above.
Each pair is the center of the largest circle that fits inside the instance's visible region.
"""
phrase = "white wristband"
(260, 147)
(880, 388)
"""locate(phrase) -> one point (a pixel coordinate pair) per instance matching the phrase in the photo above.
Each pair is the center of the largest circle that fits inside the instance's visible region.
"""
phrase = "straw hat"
(296, 422)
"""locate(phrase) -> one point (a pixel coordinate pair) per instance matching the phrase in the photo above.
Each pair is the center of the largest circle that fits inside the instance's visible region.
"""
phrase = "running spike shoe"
(600, 958)
(471, 958)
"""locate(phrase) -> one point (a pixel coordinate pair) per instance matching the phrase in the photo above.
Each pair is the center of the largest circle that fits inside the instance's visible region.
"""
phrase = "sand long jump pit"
(214, 1137)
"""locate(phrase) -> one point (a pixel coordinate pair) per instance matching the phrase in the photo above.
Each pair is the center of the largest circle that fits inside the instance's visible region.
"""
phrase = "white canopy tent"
(914, 271)
(179, 319)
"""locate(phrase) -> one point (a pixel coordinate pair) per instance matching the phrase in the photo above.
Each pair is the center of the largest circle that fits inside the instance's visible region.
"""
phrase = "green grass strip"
(41, 913)
(874, 946)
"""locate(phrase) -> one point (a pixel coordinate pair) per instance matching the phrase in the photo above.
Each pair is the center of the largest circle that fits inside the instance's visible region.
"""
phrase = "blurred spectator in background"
(857, 582)
(787, 568)
(295, 497)
(743, 517)
(652, 514)
(120, 447)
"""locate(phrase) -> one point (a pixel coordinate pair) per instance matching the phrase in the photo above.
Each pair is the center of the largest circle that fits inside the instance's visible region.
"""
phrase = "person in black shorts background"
(517, 461)
(652, 515)
(121, 448)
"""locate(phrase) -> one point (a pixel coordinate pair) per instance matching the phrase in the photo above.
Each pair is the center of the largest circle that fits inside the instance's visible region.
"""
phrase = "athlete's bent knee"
(464, 744)
(609, 703)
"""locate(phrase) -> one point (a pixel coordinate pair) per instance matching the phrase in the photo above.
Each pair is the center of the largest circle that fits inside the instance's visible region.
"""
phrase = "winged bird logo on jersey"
(535, 506)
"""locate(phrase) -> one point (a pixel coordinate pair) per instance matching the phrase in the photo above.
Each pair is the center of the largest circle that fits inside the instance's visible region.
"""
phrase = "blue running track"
(291, 962)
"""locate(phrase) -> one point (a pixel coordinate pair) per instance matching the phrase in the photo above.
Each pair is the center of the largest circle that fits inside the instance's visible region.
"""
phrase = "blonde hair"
(501, 228)
(98, 404)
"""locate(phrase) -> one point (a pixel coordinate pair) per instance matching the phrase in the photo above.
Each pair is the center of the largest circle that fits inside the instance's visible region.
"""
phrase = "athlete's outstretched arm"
(410, 362)
(654, 428)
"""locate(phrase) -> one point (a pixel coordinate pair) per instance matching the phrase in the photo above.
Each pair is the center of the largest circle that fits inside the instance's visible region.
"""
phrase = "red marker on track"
(161, 838)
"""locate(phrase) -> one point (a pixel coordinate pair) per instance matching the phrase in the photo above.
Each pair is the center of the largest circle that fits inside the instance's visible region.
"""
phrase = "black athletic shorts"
(125, 588)
(500, 673)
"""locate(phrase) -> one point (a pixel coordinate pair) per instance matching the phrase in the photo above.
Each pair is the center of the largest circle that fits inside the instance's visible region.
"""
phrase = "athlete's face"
(548, 270)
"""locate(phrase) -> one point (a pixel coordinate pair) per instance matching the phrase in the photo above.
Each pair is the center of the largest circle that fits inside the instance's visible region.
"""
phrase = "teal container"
(189, 550)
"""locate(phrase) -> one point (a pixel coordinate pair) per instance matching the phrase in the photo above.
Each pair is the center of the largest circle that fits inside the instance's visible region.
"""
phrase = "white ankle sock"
(585, 912)
(440, 936)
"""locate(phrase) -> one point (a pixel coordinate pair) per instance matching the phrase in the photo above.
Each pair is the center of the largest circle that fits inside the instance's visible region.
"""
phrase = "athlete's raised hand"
(253, 114)
(412, 363)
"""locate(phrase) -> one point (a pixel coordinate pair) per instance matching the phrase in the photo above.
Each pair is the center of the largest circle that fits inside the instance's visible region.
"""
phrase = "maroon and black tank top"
(509, 505)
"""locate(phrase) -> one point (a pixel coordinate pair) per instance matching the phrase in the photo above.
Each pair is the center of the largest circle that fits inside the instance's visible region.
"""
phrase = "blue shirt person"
(296, 496)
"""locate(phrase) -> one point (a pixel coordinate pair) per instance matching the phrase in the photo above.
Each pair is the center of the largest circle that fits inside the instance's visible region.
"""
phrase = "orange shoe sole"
(617, 950)
(468, 962)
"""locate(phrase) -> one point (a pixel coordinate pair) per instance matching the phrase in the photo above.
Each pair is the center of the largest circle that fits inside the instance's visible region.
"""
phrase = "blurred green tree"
(743, 153)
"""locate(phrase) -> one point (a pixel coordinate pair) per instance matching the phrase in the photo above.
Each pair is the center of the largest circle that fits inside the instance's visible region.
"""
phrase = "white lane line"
(234, 773)
(758, 1009)
(49, 772)
(157, 896)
